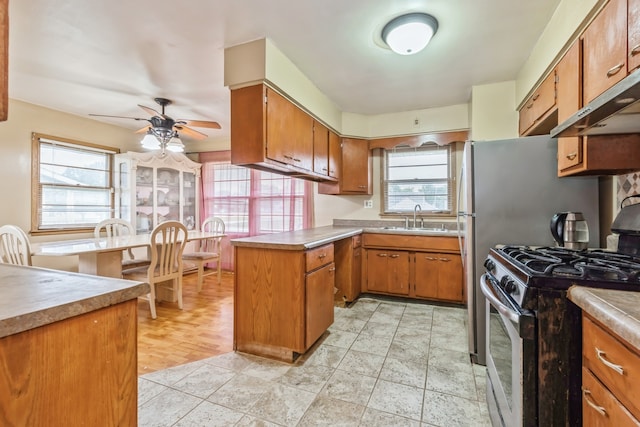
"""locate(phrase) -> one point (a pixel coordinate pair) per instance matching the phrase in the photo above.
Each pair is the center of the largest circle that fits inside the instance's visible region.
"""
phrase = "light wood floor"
(204, 328)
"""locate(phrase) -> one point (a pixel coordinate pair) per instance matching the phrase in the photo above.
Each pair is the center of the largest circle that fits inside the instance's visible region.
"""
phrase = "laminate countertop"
(313, 237)
(31, 297)
(617, 310)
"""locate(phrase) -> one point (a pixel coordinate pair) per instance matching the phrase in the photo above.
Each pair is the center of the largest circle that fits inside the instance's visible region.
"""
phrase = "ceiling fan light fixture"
(150, 142)
(175, 145)
(409, 34)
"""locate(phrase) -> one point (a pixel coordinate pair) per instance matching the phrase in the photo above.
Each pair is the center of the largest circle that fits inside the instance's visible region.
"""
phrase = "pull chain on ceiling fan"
(162, 131)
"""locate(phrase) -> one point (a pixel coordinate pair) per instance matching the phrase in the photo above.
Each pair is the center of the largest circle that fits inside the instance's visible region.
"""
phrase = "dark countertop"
(33, 297)
(314, 237)
(617, 310)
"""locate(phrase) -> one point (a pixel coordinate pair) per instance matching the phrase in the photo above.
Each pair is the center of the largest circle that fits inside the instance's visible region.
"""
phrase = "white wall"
(493, 112)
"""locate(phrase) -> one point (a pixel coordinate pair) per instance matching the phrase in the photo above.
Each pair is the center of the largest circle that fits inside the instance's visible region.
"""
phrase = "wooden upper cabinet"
(605, 50)
(536, 115)
(320, 148)
(335, 153)
(271, 133)
(569, 95)
(289, 132)
(4, 59)
(355, 172)
(633, 34)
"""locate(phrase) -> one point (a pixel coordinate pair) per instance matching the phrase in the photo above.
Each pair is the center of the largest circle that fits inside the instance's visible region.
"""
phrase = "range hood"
(615, 111)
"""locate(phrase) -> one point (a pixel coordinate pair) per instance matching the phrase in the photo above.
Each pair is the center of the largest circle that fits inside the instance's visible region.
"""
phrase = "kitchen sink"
(418, 229)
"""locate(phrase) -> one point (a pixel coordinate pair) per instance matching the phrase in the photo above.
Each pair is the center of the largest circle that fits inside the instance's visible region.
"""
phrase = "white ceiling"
(106, 56)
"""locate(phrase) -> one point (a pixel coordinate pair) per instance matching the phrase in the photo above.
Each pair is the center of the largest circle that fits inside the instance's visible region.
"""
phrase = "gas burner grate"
(584, 265)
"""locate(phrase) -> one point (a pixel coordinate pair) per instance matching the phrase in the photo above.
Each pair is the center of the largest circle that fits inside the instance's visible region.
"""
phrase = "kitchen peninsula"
(68, 348)
(285, 282)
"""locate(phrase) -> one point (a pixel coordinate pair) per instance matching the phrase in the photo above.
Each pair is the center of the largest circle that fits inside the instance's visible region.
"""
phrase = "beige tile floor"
(382, 363)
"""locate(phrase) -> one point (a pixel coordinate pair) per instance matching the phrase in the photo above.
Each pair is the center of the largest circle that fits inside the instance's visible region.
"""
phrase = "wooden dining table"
(103, 256)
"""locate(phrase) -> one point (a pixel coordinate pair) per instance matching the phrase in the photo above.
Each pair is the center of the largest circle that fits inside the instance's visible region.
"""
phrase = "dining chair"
(115, 227)
(208, 250)
(14, 246)
(167, 242)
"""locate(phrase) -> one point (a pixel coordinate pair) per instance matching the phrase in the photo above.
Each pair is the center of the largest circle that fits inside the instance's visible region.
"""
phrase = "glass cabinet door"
(123, 196)
(144, 199)
(168, 195)
(189, 212)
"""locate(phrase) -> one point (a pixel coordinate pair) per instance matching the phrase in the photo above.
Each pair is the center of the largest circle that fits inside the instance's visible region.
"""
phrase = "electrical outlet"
(416, 122)
(368, 204)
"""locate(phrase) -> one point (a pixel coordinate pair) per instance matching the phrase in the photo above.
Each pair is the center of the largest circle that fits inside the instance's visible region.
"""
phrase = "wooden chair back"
(213, 225)
(115, 227)
(14, 246)
(168, 240)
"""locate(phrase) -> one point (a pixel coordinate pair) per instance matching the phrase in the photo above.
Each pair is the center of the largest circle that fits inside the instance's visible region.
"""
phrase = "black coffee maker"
(627, 225)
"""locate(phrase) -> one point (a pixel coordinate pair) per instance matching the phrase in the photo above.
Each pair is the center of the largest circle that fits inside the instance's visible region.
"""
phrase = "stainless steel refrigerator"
(508, 192)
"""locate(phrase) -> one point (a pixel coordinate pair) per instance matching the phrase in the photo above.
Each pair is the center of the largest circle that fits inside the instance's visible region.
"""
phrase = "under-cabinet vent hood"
(615, 111)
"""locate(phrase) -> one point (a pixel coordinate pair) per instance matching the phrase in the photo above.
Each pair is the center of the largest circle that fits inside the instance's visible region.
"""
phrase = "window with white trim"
(71, 184)
(422, 176)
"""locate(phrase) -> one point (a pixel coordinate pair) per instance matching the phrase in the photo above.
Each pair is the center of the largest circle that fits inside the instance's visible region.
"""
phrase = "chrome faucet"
(415, 210)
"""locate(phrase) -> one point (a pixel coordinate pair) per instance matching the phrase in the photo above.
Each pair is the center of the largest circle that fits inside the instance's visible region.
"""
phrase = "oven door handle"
(494, 301)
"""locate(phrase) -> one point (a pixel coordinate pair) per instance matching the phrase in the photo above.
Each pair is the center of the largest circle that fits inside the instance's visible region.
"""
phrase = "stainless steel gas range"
(534, 333)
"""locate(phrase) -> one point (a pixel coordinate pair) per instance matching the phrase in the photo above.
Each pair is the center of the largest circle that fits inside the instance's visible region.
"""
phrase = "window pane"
(50, 174)
(73, 189)
(418, 176)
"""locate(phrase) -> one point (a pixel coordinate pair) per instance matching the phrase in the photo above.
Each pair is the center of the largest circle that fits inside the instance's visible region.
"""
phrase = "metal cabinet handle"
(635, 50)
(601, 356)
(444, 259)
(530, 105)
(430, 258)
(288, 157)
(362, 186)
(586, 394)
(536, 96)
(395, 256)
(322, 256)
(572, 156)
(383, 255)
(332, 269)
(296, 160)
(614, 70)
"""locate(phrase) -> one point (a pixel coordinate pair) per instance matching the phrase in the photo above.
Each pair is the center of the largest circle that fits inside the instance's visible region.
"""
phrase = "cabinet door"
(280, 114)
(633, 31)
(335, 152)
(356, 275)
(569, 152)
(605, 50)
(303, 134)
(377, 270)
(4, 55)
(450, 278)
(319, 302)
(355, 171)
(388, 271)
(438, 276)
(320, 148)
(426, 276)
(600, 407)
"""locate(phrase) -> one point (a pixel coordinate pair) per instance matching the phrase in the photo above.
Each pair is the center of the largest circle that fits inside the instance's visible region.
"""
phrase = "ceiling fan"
(162, 129)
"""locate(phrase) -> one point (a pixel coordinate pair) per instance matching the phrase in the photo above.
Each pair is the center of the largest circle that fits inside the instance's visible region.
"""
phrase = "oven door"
(511, 359)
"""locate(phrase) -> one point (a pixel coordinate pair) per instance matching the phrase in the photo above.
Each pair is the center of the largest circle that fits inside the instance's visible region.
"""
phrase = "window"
(71, 184)
(252, 202)
(422, 176)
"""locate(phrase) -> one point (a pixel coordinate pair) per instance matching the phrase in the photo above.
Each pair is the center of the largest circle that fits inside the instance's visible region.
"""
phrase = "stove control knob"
(509, 285)
(489, 264)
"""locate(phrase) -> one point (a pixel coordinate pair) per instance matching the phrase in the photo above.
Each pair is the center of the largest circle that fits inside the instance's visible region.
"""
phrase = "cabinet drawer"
(600, 407)
(613, 363)
(318, 257)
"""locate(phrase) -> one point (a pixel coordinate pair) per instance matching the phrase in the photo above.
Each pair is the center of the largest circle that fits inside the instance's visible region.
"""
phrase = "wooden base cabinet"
(81, 371)
(436, 276)
(610, 378)
(348, 256)
(388, 271)
(283, 299)
(414, 266)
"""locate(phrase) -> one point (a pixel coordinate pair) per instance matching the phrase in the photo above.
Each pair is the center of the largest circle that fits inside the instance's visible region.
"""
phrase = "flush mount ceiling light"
(409, 34)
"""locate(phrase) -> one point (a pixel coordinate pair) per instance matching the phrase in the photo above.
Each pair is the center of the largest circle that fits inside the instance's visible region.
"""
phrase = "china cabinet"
(152, 188)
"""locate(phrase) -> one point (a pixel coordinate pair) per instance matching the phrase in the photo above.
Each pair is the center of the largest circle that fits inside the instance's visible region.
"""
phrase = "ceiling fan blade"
(150, 111)
(117, 117)
(201, 123)
(190, 132)
(143, 130)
